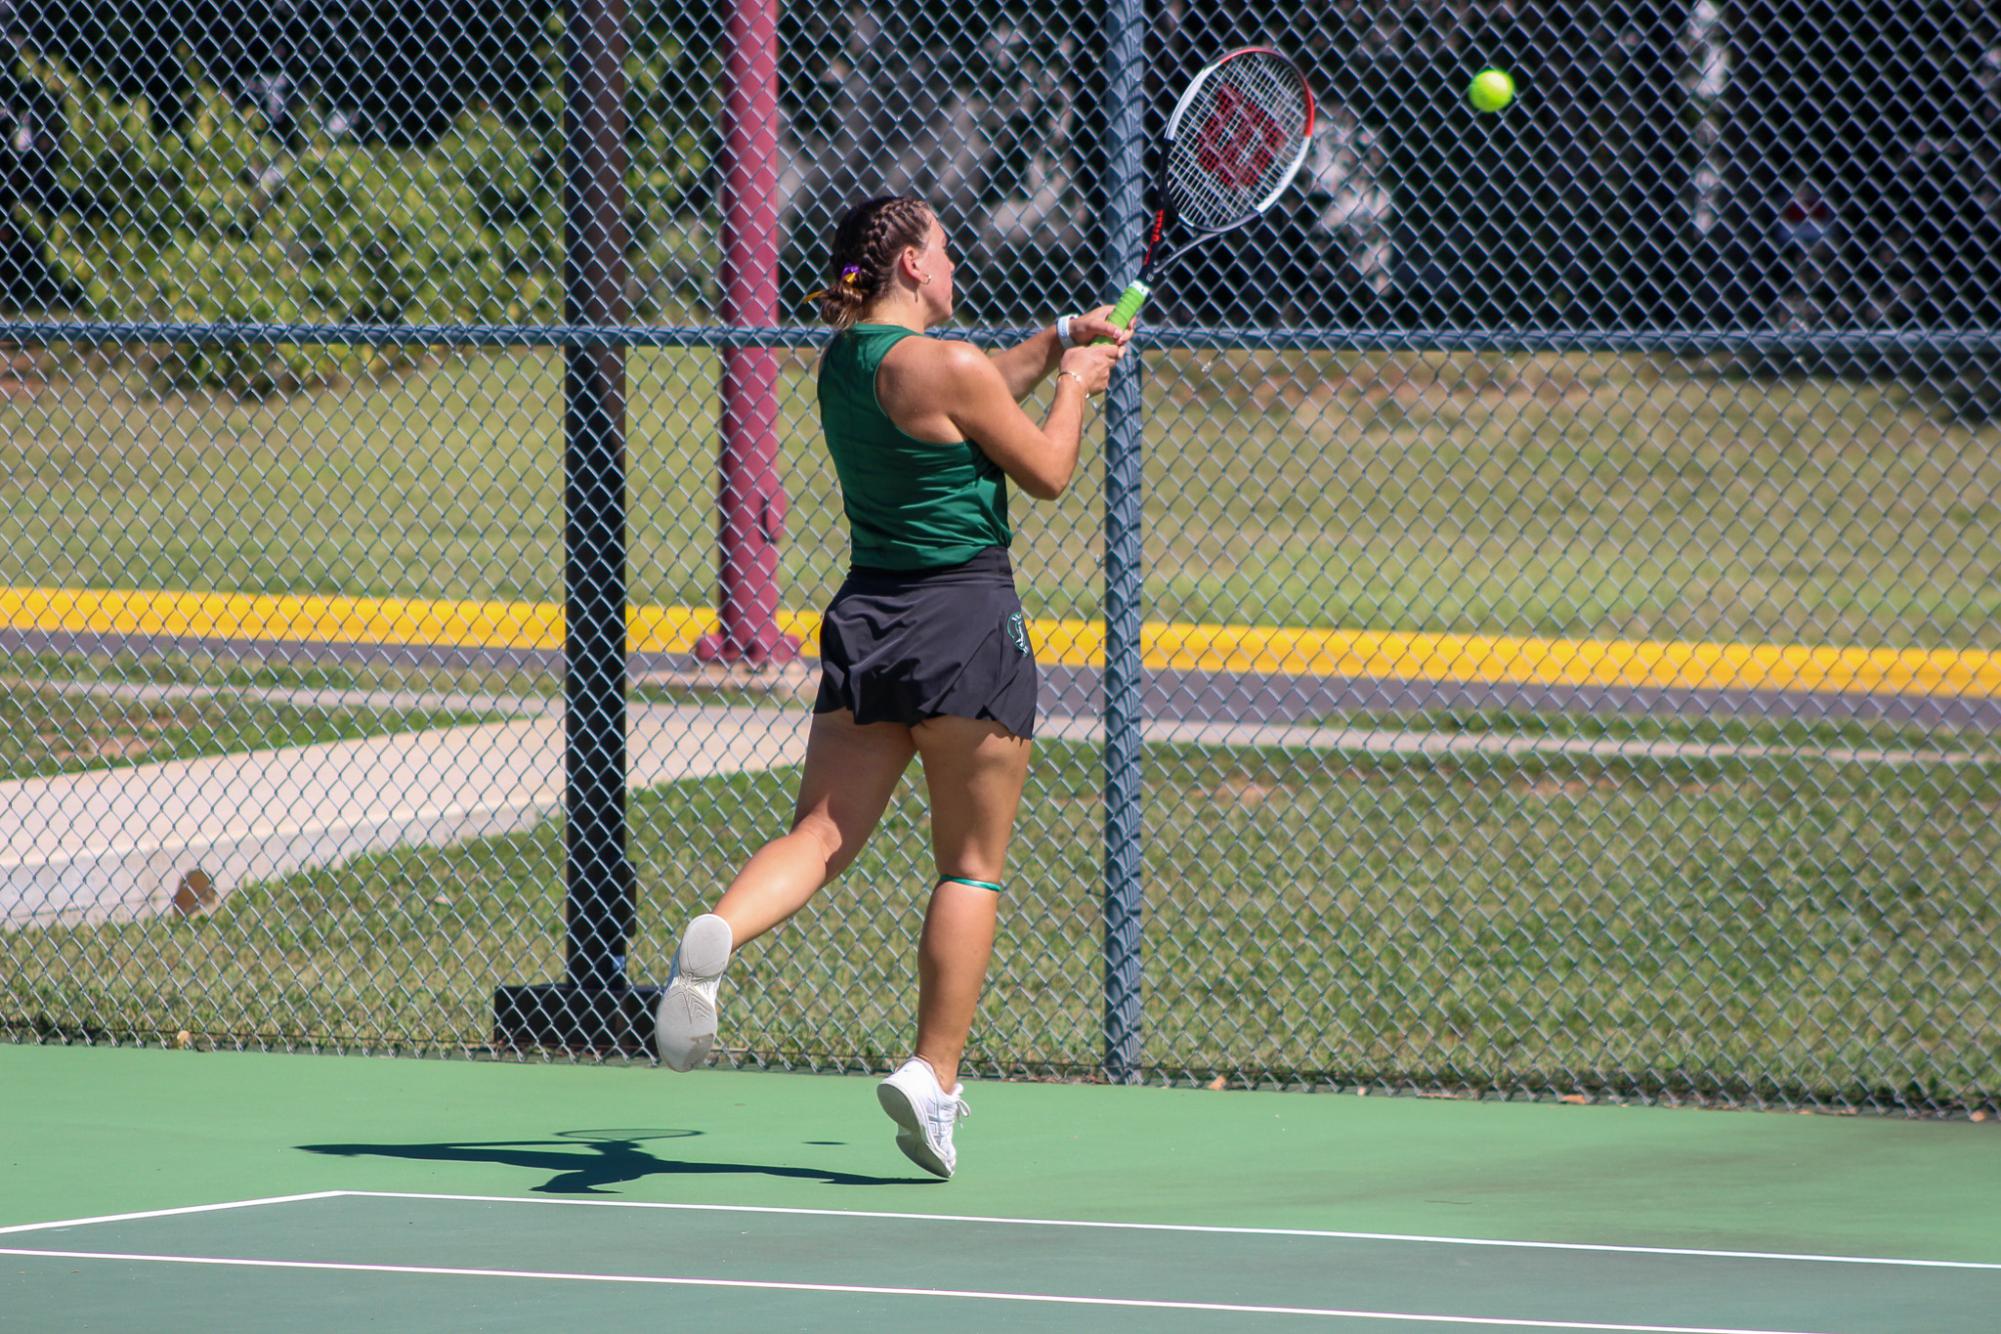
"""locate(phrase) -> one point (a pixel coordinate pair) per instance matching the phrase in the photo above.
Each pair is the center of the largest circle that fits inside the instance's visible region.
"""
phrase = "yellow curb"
(1074, 643)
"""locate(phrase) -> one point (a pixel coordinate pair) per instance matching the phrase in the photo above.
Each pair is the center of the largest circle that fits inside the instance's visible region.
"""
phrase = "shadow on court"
(587, 1161)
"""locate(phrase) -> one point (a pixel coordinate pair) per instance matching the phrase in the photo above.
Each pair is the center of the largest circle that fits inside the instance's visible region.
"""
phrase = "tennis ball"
(1491, 90)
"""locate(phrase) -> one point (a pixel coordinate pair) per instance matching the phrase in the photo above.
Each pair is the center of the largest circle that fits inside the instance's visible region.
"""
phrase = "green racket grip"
(1130, 301)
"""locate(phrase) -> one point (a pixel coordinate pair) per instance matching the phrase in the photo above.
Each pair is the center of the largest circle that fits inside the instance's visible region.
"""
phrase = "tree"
(391, 71)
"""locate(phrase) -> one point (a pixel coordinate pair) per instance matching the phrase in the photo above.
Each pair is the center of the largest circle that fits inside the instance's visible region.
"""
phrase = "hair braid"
(867, 242)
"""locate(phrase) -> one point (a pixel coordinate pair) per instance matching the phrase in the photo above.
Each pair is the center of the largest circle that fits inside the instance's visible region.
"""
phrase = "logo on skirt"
(1017, 631)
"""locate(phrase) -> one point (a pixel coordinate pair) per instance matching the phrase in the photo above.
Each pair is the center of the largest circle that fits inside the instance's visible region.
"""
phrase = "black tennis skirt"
(900, 646)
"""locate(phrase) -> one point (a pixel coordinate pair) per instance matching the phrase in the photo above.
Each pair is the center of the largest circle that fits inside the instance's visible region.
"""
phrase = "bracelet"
(1063, 330)
(1073, 375)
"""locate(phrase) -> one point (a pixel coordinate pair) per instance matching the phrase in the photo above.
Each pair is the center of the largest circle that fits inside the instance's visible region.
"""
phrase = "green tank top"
(911, 504)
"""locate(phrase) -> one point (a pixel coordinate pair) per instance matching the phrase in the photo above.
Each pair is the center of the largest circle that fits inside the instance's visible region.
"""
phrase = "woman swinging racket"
(923, 651)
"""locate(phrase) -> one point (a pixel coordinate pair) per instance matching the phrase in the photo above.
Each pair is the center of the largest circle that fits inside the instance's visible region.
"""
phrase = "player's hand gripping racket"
(1235, 141)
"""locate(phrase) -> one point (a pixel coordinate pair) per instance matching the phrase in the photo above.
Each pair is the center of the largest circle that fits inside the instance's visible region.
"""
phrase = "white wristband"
(1063, 330)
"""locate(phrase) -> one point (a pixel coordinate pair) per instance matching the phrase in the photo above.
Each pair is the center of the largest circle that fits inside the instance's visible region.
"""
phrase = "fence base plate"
(574, 1018)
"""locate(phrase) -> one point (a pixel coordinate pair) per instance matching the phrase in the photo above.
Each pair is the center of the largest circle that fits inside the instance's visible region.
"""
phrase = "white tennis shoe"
(684, 1024)
(925, 1115)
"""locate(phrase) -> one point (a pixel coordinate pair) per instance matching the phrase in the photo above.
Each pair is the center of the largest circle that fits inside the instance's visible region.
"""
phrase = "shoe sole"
(684, 1025)
(910, 1130)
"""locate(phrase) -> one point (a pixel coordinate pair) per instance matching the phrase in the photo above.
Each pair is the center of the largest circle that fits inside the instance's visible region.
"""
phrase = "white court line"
(165, 1213)
(1194, 1227)
(858, 1289)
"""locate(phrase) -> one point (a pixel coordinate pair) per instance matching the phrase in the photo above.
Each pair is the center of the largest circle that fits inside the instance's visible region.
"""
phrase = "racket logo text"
(1238, 141)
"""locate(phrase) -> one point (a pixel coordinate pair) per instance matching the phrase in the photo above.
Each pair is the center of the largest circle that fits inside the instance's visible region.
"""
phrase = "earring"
(927, 280)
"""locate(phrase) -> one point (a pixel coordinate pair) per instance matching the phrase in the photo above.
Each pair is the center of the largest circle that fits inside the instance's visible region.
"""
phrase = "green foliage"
(222, 224)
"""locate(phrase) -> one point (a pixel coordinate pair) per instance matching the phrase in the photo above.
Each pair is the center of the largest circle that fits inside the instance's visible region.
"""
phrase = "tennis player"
(923, 652)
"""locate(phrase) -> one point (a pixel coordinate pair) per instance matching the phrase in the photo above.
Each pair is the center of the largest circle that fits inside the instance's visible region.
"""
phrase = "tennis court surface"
(177, 1190)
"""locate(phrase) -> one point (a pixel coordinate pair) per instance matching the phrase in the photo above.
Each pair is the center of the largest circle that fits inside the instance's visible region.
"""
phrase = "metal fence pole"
(593, 1007)
(1125, 103)
(599, 875)
(753, 502)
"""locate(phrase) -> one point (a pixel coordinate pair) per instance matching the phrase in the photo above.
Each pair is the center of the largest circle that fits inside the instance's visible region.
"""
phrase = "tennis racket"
(1236, 140)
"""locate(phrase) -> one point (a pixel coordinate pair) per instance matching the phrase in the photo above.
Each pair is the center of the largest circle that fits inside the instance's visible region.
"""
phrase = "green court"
(163, 1189)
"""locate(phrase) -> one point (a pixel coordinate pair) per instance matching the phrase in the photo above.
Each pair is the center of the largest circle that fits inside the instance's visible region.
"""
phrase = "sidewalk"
(118, 844)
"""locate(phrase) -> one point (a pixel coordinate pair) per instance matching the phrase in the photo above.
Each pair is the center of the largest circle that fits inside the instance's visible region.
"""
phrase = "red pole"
(753, 503)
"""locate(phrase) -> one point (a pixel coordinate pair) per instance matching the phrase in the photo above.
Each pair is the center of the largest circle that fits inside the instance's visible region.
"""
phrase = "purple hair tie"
(850, 273)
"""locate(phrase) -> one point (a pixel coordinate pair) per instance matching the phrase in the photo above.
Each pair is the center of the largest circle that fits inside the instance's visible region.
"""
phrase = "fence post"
(593, 1007)
(599, 875)
(752, 519)
(1125, 181)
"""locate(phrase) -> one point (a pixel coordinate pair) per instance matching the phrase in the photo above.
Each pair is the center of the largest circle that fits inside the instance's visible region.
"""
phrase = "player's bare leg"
(974, 771)
(851, 772)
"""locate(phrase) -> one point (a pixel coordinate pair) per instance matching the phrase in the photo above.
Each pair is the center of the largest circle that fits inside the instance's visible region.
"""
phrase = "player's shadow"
(587, 1161)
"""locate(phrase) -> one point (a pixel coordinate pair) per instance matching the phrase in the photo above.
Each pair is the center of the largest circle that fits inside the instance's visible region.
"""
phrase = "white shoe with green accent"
(684, 1024)
(925, 1115)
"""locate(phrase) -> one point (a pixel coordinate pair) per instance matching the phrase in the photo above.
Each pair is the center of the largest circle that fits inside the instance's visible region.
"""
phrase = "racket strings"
(1237, 141)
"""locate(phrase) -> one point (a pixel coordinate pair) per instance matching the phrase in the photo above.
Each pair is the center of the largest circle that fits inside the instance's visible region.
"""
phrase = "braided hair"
(868, 241)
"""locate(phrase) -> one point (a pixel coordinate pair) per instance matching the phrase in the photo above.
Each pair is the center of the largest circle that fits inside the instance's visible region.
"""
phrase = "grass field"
(254, 673)
(1721, 735)
(1778, 927)
(1574, 495)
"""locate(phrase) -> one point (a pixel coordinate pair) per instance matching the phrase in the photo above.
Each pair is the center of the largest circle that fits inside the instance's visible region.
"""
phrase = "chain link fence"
(1531, 629)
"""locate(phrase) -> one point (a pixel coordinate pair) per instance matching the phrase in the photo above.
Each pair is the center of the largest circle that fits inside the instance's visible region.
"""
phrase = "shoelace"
(951, 1111)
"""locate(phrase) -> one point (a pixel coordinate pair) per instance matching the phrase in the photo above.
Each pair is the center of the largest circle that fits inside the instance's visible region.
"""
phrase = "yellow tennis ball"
(1491, 90)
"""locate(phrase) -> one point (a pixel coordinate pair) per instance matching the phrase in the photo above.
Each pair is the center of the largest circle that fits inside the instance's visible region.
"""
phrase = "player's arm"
(1029, 362)
(980, 403)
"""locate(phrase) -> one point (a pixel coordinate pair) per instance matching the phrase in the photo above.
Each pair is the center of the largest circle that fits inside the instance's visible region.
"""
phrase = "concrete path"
(1381, 741)
(123, 843)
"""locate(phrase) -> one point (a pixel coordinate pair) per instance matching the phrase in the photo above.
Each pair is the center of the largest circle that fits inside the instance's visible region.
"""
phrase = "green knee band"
(962, 880)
